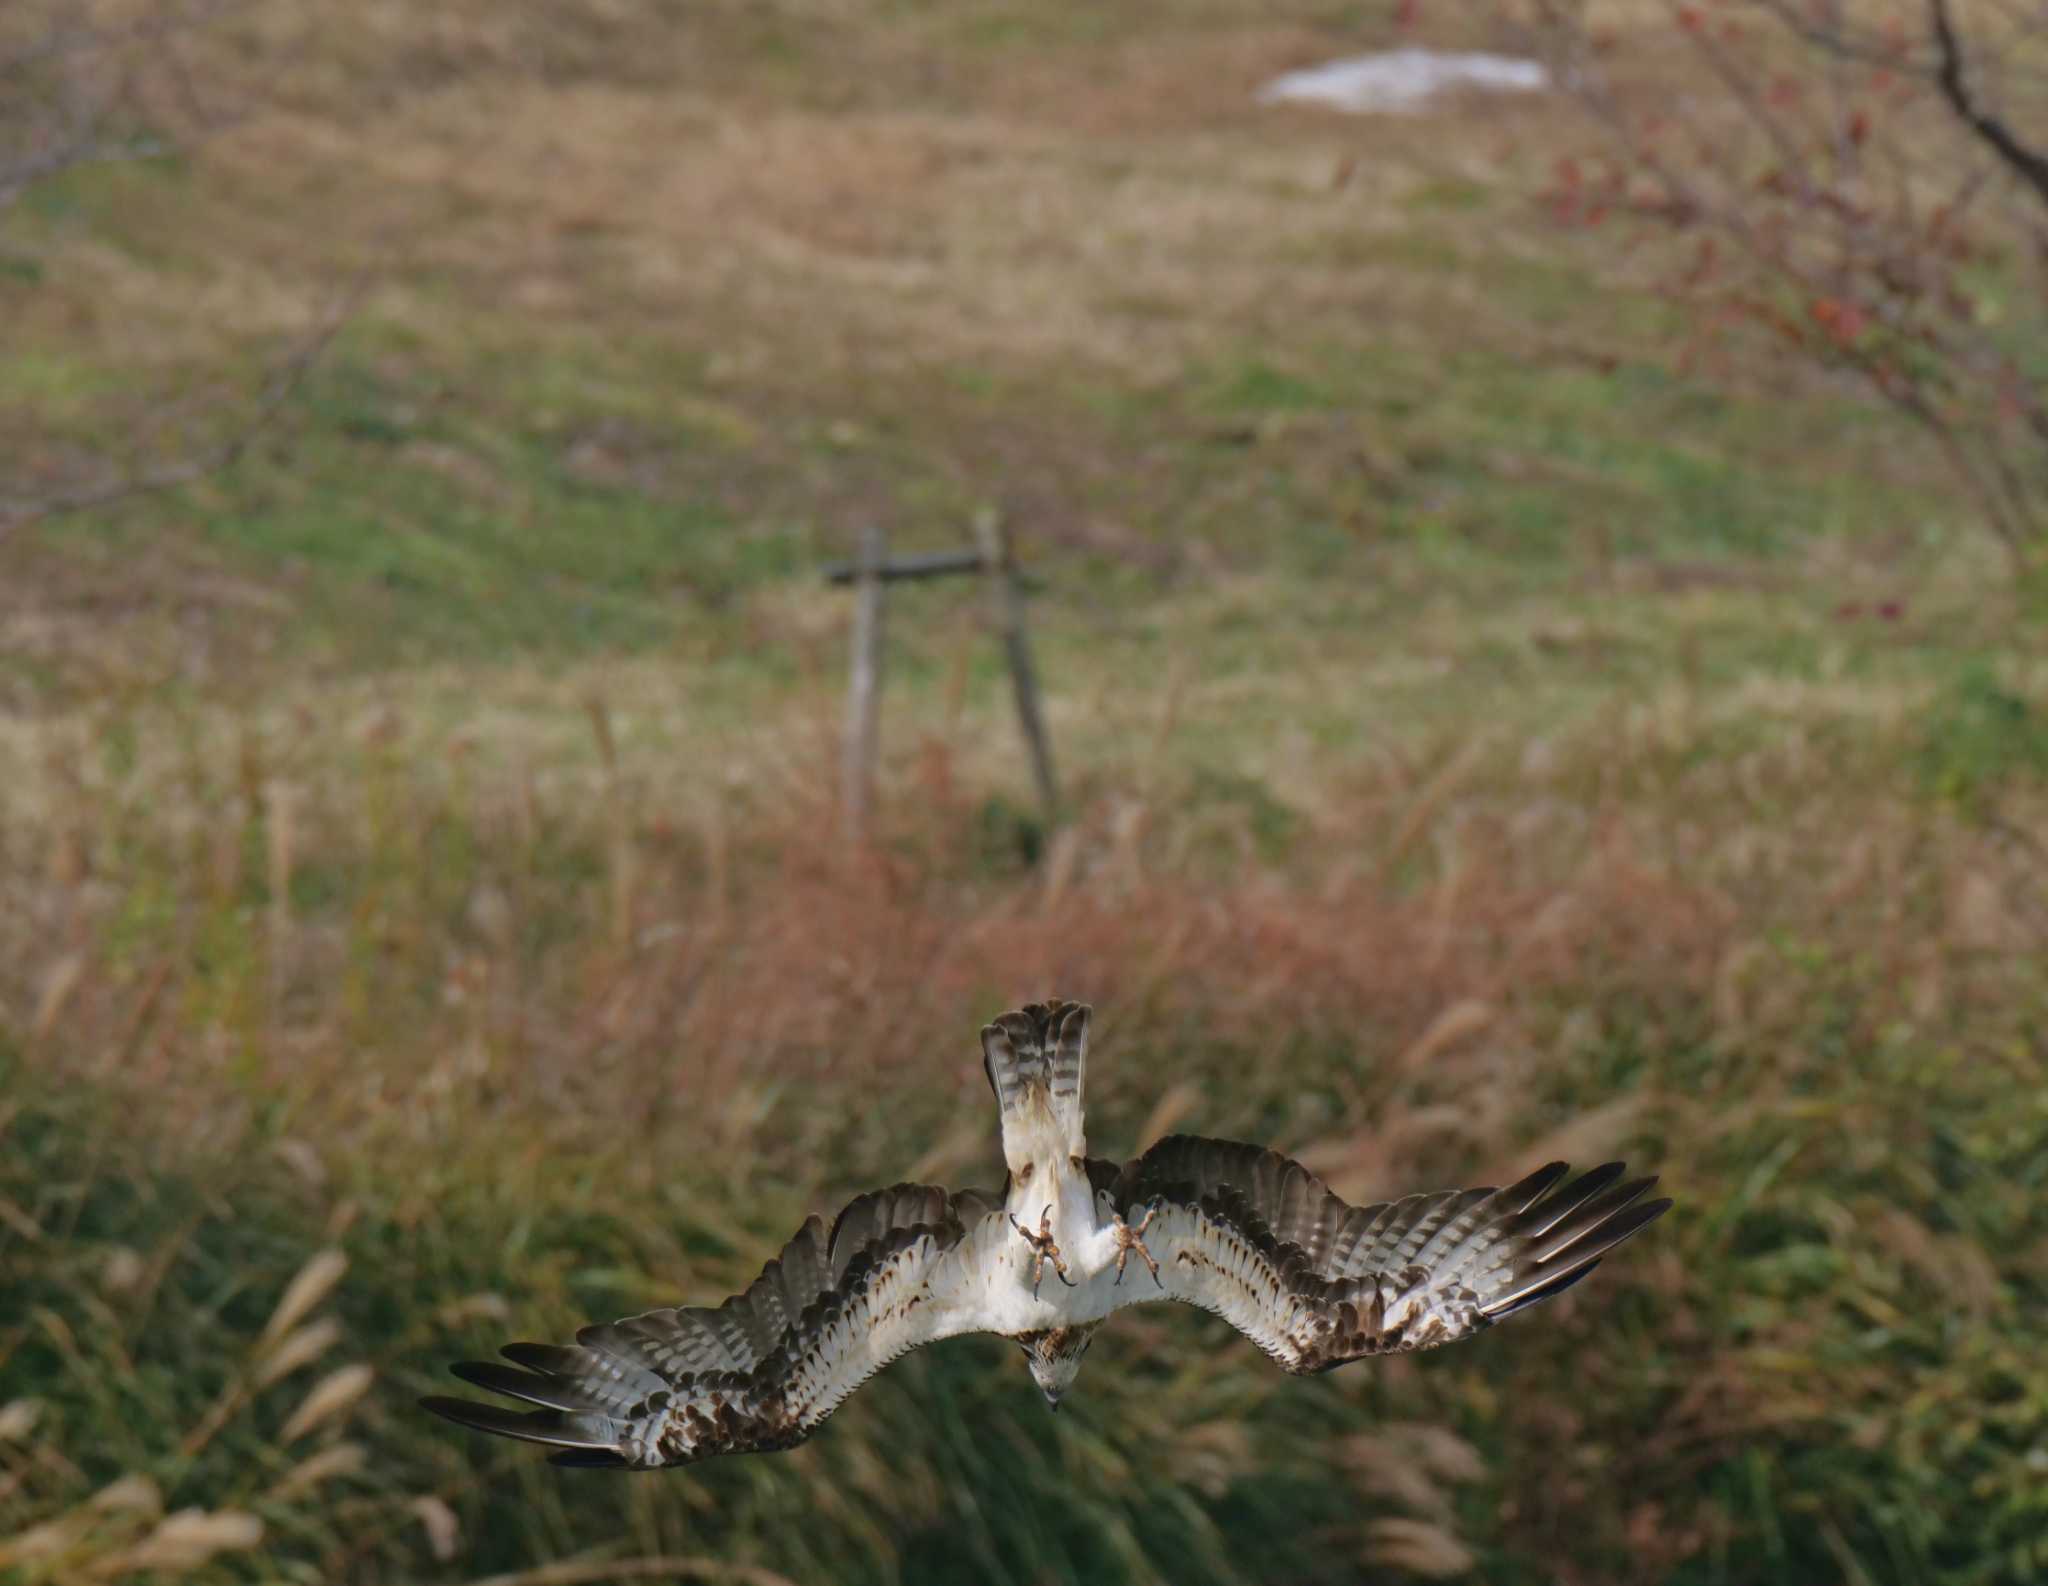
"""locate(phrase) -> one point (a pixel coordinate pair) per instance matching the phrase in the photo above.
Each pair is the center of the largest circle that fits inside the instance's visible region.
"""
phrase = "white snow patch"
(1401, 80)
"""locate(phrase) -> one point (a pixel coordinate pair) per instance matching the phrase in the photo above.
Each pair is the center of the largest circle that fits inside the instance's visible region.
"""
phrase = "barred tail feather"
(1036, 1059)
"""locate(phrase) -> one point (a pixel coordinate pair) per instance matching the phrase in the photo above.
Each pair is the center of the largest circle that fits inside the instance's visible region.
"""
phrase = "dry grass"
(55, 1526)
(660, 1012)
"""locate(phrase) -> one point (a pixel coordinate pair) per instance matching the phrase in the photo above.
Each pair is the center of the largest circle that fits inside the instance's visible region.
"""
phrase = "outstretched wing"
(1255, 1237)
(763, 1370)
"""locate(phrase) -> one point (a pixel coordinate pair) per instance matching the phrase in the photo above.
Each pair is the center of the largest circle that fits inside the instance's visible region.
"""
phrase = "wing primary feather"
(1524, 1193)
(591, 1459)
(1543, 1292)
(1593, 1215)
(553, 1359)
(1574, 1195)
(551, 1393)
(1540, 1280)
(540, 1426)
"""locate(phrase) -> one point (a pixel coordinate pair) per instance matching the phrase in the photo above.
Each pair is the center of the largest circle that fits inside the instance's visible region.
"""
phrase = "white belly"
(1086, 1243)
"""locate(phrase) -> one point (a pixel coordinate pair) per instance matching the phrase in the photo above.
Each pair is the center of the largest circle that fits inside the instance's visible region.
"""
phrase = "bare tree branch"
(78, 37)
(71, 97)
(1859, 205)
(2030, 166)
(82, 92)
(117, 481)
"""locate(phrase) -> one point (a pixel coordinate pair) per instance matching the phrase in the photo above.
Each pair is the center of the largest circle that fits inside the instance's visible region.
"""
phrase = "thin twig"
(75, 39)
(118, 484)
(1879, 267)
(2029, 165)
(88, 87)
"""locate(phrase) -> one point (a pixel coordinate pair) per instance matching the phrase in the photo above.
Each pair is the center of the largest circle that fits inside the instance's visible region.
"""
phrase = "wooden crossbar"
(927, 564)
(991, 556)
(923, 564)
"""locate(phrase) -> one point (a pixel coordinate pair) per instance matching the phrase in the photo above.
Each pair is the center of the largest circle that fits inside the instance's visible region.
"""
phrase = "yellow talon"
(1047, 1250)
(1129, 1239)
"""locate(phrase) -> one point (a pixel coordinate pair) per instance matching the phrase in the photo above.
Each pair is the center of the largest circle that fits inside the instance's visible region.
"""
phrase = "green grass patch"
(1978, 737)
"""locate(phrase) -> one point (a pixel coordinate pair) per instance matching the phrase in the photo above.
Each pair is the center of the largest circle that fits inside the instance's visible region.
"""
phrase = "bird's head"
(1055, 1356)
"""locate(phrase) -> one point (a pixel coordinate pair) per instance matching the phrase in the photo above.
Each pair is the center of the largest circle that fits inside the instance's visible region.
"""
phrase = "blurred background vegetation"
(1488, 737)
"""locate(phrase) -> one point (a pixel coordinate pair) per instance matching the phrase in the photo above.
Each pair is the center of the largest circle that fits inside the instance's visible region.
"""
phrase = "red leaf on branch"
(1843, 321)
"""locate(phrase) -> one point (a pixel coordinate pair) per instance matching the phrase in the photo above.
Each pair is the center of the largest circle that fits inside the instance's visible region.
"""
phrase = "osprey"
(1235, 1229)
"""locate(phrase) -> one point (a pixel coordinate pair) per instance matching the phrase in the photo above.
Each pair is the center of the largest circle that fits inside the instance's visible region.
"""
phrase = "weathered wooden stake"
(864, 687)
(1006, 601)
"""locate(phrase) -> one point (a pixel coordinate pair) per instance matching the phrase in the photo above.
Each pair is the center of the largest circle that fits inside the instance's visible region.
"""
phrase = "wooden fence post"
(864, 687)
(1006, 602)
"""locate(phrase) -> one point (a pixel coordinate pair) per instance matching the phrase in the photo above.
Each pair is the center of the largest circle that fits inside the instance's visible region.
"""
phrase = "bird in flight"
(1235, 1229)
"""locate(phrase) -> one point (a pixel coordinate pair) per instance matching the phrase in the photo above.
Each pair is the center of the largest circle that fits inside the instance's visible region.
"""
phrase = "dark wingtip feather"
(589, 1459)
(540, 1426)
(1648, 1212)
(551, 1393)
(1573, 1245)
(541, 1357)
(1549, 1291)
(1591, 1218)
(1591, 1182)
(463, 1412)
(1525, 1192)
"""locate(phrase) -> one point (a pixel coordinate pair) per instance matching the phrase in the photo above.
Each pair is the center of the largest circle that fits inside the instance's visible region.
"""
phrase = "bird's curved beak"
(1052, 1400)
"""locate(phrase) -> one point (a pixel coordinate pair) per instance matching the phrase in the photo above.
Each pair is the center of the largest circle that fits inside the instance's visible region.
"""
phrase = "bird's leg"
(1046, 1250)
(1129, 1239)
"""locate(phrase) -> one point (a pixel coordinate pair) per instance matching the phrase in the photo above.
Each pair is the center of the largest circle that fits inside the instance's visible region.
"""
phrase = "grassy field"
(422, 921)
